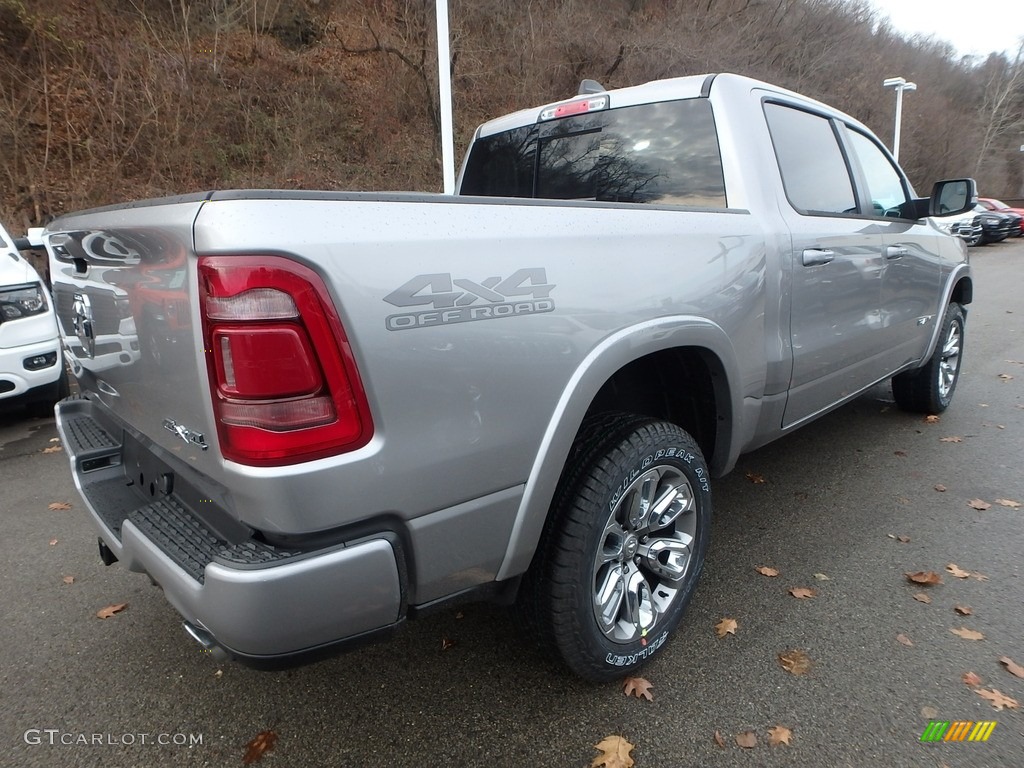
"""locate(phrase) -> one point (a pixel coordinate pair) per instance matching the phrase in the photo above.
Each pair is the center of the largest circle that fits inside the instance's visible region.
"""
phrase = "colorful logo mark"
(958, 730)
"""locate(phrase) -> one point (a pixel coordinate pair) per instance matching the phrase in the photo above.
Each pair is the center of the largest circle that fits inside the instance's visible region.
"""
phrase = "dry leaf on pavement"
(821, 577)
(779, 734)
(802, 593)
(940, 488)
(971, 679)
(263, 741)
(978, 504)
(747, 739)
(931, 419)
(719, 740)
(921, 597)
(1014, 669)
(53, 542)
(60, 506)
(968, 634)
(904, 640)
(764, 570)
(1005, 376)
(614, 753)
(110, 610)
(639, 687)
(951, 439)
(795, 661)
(446, 643)
(1008, 503)
(68, 579)
(963, 610)
(954, 569)
(726, 627)
(996, 699)
(755, 478)
(52, 449)
(924, 577)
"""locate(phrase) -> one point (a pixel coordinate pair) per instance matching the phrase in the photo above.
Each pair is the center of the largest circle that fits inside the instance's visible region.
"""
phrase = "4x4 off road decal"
(524, 292)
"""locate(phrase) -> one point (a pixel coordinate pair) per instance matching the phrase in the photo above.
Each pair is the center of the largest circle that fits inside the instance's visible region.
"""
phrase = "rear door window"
(814, 172)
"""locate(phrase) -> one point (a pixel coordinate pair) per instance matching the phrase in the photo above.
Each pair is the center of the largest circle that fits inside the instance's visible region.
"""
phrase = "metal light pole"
(444, 81)
(901, 85)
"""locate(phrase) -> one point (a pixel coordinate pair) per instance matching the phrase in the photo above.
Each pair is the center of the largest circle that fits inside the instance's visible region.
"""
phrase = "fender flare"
(608, 357)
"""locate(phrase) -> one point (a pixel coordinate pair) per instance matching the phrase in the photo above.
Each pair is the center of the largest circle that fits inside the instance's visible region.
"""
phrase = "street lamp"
(901, 85)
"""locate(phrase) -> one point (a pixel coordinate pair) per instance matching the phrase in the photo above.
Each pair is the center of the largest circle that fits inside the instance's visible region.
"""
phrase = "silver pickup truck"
(309, 416)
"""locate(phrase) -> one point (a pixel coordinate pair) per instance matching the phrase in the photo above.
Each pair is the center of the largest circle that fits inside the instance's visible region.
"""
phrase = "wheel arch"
(708, 401)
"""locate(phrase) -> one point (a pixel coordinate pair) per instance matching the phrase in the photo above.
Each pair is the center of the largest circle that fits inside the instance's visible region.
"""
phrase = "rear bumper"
(261, 604)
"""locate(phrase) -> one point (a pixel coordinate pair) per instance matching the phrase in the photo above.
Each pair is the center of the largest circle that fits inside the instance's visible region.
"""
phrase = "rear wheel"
(930, 389)
(624, 547)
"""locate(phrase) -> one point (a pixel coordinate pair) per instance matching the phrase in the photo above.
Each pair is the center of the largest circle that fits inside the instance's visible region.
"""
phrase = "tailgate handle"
(895, 251)
(814, 256)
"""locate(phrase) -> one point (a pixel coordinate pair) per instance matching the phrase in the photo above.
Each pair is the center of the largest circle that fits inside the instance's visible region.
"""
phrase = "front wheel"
(929, 389)
(625, 545)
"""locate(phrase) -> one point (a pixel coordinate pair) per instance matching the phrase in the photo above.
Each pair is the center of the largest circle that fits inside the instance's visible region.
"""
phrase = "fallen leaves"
(1008, 503)
(904, 640)
(951, 439)
(719, 739)
(639, 687)
(963, 610)
(53, 449)
(68, 580)
(928, 578)
(978, 504)
(795, 661)
(900, 539)
(996, 699)
(821, 577)
(921, 597)
(261, 743)
(110, 610)
(755, 478)
(971, 679)
(614, 753)
(779, 734)
(803, 593)
(764, 570)
(931, 419)
(1005, 376)
(726, 627)
(747, 739)
(1014, 669)
(968, 634)
(954, 569)
(53, 542)
(446, 643)
(59, 506)
(940, 488)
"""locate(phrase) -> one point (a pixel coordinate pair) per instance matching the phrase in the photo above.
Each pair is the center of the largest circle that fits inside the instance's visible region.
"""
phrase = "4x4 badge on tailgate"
(524, 292)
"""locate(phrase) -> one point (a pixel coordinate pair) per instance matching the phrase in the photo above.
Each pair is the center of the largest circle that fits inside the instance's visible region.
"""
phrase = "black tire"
(631, 518)
(930, 389)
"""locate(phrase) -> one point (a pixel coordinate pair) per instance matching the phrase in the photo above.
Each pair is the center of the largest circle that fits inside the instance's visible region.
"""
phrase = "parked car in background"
(991, 204)
(31, 365)
(995, 226)
(965, 225)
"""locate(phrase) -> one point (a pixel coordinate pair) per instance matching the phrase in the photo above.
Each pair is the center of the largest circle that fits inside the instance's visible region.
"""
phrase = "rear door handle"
(895, 251)
(815, 256)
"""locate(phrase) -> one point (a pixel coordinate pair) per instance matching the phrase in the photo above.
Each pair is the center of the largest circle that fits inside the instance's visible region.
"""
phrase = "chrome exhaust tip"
(206, 641)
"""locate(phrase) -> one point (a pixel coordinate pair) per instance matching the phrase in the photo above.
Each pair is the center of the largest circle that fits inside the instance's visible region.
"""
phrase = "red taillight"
(284, 382)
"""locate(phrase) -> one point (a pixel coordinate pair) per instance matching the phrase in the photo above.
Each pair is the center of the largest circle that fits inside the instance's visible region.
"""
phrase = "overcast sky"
(972, 27)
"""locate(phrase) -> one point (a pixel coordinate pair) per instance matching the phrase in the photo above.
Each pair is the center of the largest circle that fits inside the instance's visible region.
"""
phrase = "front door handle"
(814, 256)
(895, 251)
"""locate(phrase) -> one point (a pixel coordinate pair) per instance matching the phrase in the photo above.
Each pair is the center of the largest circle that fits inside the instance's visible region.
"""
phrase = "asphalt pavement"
(862, 497)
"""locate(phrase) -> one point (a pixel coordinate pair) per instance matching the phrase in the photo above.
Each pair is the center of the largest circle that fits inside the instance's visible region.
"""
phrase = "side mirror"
(952, 196)
(35, 236)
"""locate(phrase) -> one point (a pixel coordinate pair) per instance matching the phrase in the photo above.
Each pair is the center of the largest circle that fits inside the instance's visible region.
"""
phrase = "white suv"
(31, 364)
